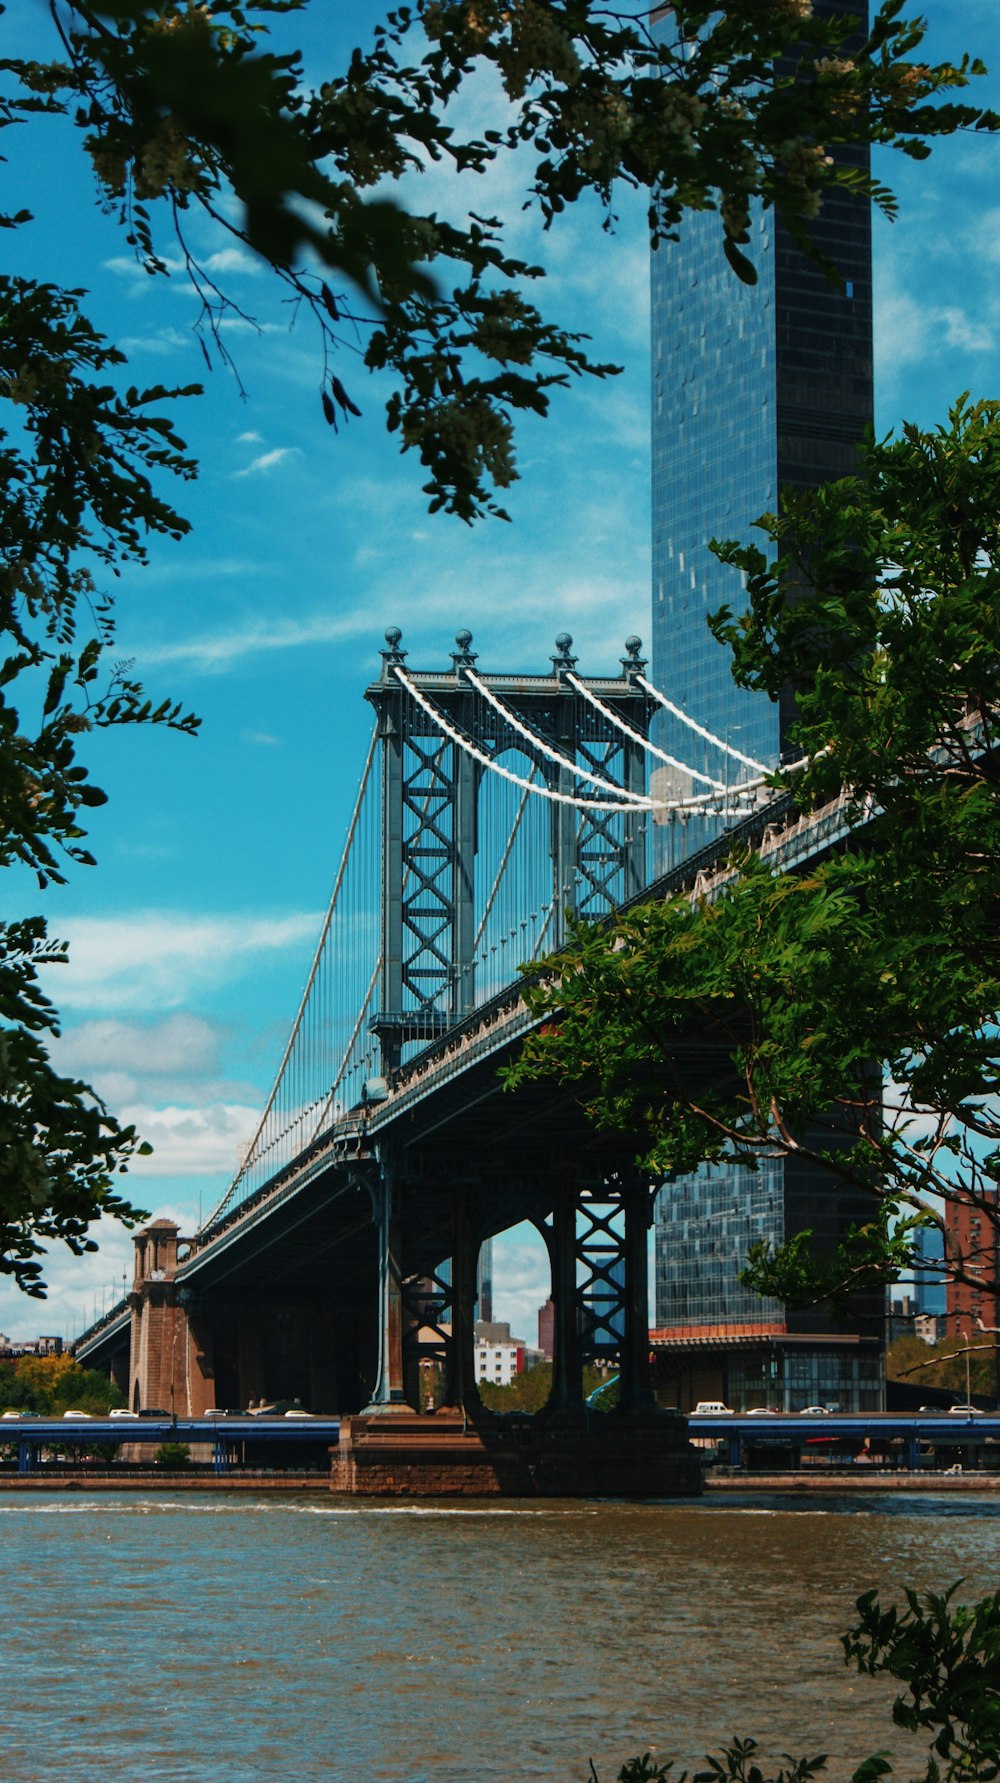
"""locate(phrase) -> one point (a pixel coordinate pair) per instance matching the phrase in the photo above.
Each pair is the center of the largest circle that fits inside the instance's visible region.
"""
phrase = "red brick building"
(973, 1243)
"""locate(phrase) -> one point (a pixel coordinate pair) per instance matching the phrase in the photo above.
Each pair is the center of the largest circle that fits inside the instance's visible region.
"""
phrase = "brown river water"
(168, 1637)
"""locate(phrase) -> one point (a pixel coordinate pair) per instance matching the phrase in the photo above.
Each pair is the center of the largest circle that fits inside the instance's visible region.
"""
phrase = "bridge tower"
(434, 813)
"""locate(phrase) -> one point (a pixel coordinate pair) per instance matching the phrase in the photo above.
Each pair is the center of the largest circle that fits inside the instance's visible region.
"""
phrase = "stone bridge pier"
(429, 1242)
(168, 1369)
(197, 1345)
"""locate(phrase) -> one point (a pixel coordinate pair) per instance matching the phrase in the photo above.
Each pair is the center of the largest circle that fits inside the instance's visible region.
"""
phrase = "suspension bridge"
(340, 1264)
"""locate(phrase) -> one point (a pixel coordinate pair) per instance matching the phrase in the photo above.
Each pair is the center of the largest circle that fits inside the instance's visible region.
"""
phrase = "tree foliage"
(948, 1659)
(54, 1384)
(846, 1014)
(186, 108)
(943, 1364)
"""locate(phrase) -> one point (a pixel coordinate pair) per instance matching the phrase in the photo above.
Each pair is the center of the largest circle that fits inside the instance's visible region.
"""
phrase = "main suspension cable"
(748, 761)
(554, 755)
(635, 736)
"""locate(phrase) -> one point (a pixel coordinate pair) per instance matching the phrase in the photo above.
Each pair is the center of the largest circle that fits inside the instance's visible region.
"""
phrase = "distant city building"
(906, 1321)
(484, 1280)
(929, 1293)
(755, 390)
(499, 1356)
(11, 1348)
(974, 1239)
(547, 1328)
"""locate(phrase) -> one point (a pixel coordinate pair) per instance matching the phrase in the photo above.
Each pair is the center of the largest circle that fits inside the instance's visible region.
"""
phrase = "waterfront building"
(974, 1239)
(756, 390)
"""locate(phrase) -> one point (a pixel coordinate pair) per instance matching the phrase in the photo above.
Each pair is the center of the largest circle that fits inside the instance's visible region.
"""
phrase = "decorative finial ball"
(564, 641)
(633, 645)
(463, 639)
(392, 636)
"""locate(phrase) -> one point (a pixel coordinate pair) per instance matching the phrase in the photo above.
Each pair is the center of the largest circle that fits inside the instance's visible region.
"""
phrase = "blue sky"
(191, 938)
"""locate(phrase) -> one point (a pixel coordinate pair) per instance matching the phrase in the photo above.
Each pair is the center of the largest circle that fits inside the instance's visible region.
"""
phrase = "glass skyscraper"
(755, 390)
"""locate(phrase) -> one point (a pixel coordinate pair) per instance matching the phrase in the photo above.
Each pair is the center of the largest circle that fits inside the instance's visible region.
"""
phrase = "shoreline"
(854, 1482)
(794, 1484)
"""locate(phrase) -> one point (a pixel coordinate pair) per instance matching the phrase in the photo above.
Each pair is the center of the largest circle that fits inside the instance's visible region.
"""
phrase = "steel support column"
(566, 1397)
(461, 1386)
(389, 1387)
(636, 1389)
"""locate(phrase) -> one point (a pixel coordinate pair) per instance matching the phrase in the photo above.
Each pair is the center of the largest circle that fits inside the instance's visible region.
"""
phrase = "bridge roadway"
(223, 1433)
(301, 1289)
(743, 1430)
(448, 1103)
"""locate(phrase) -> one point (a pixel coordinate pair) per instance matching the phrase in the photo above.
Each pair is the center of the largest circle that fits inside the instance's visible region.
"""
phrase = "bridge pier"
(606, 1454)
(568, 1449)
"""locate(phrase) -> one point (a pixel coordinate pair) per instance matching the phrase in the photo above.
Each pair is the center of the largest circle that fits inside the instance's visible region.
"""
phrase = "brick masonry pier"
(398, 1454)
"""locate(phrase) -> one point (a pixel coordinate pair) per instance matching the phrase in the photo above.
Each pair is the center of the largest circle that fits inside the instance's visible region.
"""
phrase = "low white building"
(499, 1356)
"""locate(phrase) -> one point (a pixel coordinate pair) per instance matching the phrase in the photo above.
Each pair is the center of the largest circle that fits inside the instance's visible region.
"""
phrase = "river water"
(226, 1637)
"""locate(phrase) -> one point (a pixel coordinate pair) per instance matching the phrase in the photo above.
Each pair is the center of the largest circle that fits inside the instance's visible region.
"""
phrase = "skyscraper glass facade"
(714, 469)
(705, 1225)
(755, 389)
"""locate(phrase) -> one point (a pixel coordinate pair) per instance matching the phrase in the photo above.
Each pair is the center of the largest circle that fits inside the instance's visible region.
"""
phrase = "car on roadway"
(77, 1416)
(965, 1411)
(712, 1408)
(762, 1411)
(298, 1413)
(815, 1411)
(121, 1411)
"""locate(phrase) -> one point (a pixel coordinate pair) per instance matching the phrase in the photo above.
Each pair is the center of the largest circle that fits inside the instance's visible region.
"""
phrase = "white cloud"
(155, 959)
(126, 266)
(180, 1044)
(193, 1141)
(977, 336)
(250, 438)
(163, 342)
(266, 461)
(222, 650)
(911, 334)
(522, 1279)
(79, 1287)
(226, 260)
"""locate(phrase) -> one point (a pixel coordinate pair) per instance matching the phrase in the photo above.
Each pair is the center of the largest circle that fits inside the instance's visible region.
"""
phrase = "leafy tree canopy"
(185, 107)
(54, 1384)
(846, 1014)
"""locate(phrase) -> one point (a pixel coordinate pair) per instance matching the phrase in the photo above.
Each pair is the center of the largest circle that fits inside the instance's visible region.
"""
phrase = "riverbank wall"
(860, 1480)
(799, 1485)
